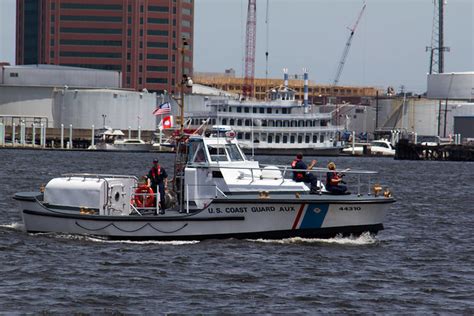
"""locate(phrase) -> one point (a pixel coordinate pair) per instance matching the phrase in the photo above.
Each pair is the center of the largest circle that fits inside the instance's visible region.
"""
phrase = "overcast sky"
(387, 49)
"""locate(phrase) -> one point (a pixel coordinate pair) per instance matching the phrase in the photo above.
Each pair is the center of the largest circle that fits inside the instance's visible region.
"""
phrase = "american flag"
(162, 109)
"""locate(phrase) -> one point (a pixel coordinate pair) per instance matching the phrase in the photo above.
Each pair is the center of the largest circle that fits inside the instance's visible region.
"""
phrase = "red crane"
(250, 41)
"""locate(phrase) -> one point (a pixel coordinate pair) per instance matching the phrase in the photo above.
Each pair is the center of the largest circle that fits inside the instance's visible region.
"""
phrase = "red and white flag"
(167, 122)
(162, 109)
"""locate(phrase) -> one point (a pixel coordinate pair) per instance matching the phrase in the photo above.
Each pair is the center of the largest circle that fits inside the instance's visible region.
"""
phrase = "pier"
(406, 150)
(40, 137)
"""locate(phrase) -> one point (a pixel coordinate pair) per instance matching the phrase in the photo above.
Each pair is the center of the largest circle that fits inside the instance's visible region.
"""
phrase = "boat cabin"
(216, 166)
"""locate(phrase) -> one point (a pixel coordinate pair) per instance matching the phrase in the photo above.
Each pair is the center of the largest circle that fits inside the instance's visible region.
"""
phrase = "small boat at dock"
(217, 193)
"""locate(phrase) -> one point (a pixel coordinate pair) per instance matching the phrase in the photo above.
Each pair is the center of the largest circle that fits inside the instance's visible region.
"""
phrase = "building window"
(300, 139)
(90, 54)
(269, 110)
(270, 139)
(306, 139)
(85, 6)
(277, 139)
(246, 109)
(292, 139)
(83, 30)
(247, 136)
(157, 80)
(262, 110)
(154, 8)
(158, 21)
(239, 109)
(157, 68)
(157, 56)
(90, 18)
(285, 139)
(89, 42)
(157, 32)
(157, 44)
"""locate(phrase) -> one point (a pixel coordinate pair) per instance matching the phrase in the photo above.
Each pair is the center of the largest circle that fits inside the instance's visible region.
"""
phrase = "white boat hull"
(314, 216)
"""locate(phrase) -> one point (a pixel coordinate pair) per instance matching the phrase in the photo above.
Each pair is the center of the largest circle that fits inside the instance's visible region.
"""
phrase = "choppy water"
(422, 263)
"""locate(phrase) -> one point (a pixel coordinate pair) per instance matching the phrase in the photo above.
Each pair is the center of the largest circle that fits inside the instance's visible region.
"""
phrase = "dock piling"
(92, 136)
(33, 135)
(62, 136)
(70, 137)
(2, 134)
(13, 134)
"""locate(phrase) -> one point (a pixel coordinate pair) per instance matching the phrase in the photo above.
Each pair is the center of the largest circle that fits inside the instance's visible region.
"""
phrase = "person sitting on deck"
(305, 176)
(334, 180)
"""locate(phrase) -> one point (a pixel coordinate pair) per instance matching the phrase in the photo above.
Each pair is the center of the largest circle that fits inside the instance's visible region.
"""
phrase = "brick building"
(140, 38)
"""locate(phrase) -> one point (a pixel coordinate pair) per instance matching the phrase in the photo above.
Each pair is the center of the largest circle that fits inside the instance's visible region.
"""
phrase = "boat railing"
(98, 176)
(286, 172)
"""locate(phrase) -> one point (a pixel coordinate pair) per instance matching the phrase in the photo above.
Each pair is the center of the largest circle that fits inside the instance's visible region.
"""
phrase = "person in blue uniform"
(305, 176)
(158, 179)
(334, 180)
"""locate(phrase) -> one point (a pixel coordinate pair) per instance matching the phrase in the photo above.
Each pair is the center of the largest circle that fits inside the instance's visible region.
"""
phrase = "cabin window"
(234, 152)
(284, 111)
(239, 136)
(285, 139)
(246, 109)
(292, 139)
(321, 138)
(197, 153)
(262, 110)
(277, 139)
(270, 139)
(254, 110)
(247, 136)
(300, 139)
(224, 121)
(239, 122)
(269, 110)
(324, 123)
(247, 122)
(315, 139)
(217, 153)
(306, 139)
(232, 122)
(301, 123)
(239, 109)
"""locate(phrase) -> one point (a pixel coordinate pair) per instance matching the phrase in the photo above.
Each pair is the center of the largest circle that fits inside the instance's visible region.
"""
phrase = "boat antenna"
(267, 20)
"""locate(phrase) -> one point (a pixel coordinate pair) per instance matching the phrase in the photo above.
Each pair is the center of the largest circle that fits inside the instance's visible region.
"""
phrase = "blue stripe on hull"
(314, 216)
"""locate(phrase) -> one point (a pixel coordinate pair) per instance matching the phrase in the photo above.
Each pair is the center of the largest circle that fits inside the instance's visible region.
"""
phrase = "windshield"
(227, 152)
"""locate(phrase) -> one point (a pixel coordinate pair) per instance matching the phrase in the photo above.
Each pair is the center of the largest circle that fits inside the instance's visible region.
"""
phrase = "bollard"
(70, 137)
(33, 135)
(129, 132)
(62, 136)
(92, 136)
(2, 134)
(139, 132)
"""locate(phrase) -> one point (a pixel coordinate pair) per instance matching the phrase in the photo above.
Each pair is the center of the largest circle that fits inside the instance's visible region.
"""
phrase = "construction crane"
(250, 41)
(347, 47)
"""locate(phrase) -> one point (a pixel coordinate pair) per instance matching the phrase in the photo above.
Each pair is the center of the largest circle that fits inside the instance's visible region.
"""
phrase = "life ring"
(144, 196)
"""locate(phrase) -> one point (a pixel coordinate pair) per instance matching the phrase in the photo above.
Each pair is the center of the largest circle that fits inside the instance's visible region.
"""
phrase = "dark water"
(422, 263)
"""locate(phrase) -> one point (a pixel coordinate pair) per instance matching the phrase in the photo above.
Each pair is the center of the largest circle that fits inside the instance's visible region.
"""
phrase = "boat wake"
(13, 226)
(110, 241)
(362, 240)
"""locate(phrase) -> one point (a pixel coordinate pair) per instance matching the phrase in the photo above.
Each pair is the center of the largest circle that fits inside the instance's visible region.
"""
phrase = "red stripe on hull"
(297, 219)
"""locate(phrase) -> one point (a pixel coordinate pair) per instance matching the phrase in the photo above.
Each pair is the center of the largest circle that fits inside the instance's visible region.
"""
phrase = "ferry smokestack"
(305, 98)
(285, 78)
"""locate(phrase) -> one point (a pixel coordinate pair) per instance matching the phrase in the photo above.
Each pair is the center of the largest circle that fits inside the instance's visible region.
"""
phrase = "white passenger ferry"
(281, 125)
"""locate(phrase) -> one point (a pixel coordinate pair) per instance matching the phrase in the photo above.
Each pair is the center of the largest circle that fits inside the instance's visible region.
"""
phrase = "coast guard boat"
(217, 193)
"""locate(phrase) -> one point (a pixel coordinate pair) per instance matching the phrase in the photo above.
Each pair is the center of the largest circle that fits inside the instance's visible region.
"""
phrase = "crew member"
(334, 180)
(158, 179)
(305, 176)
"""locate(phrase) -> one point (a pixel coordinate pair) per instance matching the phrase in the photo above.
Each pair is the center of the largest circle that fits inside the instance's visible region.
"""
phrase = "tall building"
(140, 38)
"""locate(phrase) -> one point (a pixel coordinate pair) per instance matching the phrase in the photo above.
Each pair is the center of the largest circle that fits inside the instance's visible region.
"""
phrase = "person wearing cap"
(334, 180)
(158, 181)
(303, 176)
